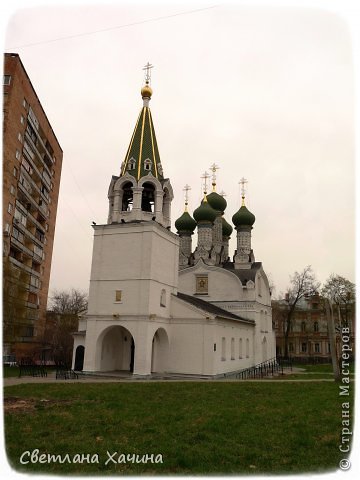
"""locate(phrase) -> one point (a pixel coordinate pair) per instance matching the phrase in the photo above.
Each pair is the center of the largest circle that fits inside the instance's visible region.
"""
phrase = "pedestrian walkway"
(118, 377)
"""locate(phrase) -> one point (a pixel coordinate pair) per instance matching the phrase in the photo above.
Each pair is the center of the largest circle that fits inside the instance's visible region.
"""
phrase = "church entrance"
(117, 349)
(79, 358)
(160, 352)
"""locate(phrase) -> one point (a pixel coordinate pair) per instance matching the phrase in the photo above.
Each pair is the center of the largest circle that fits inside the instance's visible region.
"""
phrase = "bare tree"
(62, 321)
(301, 284)
(70, 302)
(341, 294)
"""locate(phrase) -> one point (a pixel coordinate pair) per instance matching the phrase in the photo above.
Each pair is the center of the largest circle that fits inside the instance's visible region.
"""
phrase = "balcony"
(45, 148)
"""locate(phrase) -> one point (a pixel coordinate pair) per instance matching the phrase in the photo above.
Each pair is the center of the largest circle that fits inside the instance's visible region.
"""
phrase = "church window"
(118, 295)
(247, 348)
(131, 164)
(202, 285)
(316, 326)
(223, 349)
(240, 348)
(163, 298)
(233, 349)
(147, 164)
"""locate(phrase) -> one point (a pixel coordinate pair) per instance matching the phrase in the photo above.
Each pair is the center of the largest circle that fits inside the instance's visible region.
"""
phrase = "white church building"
(157, 306)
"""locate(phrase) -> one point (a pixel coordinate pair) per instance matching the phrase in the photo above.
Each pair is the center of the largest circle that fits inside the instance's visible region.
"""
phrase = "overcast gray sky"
(266, 92)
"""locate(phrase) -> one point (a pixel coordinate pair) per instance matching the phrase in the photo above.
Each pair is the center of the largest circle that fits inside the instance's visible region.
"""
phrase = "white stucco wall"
(140, 260)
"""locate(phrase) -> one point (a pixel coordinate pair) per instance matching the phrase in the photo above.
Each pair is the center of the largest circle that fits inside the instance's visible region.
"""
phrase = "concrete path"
(113, 378)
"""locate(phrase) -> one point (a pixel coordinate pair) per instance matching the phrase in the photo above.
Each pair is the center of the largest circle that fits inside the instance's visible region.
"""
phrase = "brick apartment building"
(308, 338)
(32, 160)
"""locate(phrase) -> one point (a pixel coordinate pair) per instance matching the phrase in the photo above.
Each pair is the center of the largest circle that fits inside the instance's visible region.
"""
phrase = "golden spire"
(242, 182)
(213, 168)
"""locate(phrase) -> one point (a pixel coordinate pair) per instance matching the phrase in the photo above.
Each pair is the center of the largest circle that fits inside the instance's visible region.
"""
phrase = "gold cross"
(242, 182)
(205, 177)
(148, 68)
(186, 190)
(213, 168)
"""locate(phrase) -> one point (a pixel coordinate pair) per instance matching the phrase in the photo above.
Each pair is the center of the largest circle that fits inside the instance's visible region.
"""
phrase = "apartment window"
(233, 349)
(22, 120)
(223, 349)
(291, 347)
(15, 172)
(316, 326)
(17, 155)
(19, 137)
(247, 348)
(12, 189)
(25, 104)
(27, 166)
(10, 207)
(304, 347)
(317, 347)
(6, 79)
(34, 281)
(7, 228)
(18, 235)
(202, 284)
(46, 227)
(20, 217)
(303, 326)
(38, 251)
(118, 295)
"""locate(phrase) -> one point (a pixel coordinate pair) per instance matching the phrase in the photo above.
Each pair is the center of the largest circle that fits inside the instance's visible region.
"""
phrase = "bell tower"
(141, 192)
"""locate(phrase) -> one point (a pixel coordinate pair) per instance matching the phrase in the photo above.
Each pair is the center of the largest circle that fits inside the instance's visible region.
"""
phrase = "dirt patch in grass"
(21, 405)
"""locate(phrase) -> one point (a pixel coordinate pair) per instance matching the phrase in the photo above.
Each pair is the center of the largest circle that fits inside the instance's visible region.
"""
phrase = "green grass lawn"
(199, 428)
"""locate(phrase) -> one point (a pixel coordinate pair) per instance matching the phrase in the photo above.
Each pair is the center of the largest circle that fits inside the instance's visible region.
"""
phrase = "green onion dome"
(216, 201)
(205, 213)
(226, 228)
(243, 217)
(185, 223)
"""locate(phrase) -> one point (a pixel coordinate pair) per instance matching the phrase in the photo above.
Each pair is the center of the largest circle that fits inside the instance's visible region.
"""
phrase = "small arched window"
(147, 164)
(163, 298)
(131, 164)
(240, 348)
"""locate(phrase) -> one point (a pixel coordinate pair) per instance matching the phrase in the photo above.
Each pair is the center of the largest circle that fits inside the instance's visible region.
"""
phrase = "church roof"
(243, 274)
(142, 156)
(210, 308)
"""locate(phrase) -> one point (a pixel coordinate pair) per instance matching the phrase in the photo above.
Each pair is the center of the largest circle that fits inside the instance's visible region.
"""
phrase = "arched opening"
(160, 351)
(148, 198)
(117, 350)
(79, 358)
(127, 198)
(264, 349)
